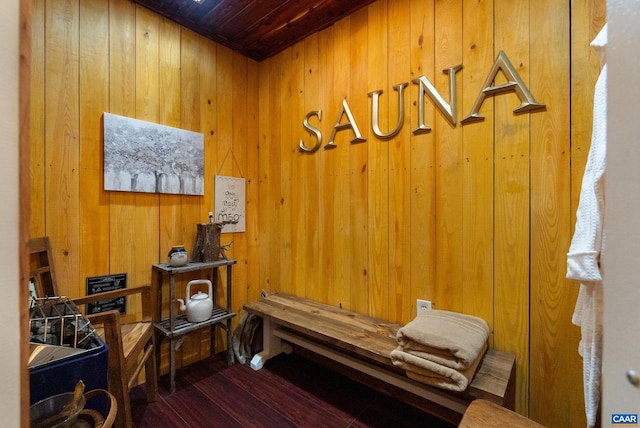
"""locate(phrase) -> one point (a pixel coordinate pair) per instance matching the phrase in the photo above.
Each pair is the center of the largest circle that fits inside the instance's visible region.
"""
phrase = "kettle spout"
(183, 307)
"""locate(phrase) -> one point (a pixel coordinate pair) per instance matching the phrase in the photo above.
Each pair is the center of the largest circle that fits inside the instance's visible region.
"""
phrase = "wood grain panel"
(62, 143)
(147, 96)
(449, 171)
(552, 367)
(208, 123)
(170, 219)
(241, 124)
(190, 212)
(37, 189)
(288, 102)
(330, 108)
(94, 100)
(122, 62)
(274, 159)
(253, 286)
(173, 97)
(512, 210)
(358, 166)
(296, 185)
(400, 302)
(336, 183)
(207, 110)
(587, 18)
(423, 158)
(145, 214)
(306, 232)
(190, 205)
(378, 161)
(478, 164)
(224, 150)
(265, 241)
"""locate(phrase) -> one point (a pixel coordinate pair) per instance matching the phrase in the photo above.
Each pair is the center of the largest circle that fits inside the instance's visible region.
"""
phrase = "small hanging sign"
(230, 203)
(99, 284)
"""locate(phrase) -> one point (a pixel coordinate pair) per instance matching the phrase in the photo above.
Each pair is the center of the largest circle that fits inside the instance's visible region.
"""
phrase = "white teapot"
(200, 305)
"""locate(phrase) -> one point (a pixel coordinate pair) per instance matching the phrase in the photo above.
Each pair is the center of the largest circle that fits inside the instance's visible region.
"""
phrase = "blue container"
(61, 375)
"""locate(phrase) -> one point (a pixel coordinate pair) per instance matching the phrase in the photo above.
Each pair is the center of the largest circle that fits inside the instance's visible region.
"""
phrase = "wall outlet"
(423, 305)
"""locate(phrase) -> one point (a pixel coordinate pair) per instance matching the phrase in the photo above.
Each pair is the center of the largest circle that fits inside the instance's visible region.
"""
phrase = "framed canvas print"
(142, 156)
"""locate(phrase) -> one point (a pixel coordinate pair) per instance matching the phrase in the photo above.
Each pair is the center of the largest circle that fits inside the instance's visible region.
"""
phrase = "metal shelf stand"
(176, 325)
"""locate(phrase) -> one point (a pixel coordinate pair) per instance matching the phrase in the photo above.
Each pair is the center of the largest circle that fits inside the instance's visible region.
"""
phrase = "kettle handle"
(198, 282)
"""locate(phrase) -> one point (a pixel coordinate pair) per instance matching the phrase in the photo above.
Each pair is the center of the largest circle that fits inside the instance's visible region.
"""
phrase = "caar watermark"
(624, 419)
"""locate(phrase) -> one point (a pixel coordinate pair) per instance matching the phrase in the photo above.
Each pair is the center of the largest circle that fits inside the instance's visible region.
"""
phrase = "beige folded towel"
(446, 338)
(435, 374)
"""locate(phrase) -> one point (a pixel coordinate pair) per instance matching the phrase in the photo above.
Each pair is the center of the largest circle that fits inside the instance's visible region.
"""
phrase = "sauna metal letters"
(425, 87)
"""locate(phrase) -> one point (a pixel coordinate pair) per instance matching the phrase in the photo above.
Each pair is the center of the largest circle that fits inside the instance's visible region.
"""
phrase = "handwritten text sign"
(230, 203)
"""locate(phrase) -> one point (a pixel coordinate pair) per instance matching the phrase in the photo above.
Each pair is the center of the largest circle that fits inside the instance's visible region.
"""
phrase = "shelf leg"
(230, 356)
(159, 338)
(213, 341)
(172, 325)
(158, 317)
(172, 366)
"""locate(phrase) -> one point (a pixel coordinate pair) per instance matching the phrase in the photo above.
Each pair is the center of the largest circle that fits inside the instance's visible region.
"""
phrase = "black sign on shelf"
(99, 284)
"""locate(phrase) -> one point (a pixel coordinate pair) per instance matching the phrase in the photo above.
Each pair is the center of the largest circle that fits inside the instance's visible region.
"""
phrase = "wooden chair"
(131, 345)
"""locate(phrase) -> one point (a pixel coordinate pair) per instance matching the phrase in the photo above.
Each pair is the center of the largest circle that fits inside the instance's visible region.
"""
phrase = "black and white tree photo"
(142, 156)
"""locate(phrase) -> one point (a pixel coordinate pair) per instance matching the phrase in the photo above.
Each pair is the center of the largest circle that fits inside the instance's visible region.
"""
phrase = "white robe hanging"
(584, 260)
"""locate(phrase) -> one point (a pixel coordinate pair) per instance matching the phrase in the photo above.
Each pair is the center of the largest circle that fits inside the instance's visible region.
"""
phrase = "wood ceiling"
(256, 28)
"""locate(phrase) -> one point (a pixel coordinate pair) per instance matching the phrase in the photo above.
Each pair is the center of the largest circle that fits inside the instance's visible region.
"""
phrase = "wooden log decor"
(207, 246)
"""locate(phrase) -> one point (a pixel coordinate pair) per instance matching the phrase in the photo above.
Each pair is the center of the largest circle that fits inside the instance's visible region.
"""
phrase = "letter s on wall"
(312, 130)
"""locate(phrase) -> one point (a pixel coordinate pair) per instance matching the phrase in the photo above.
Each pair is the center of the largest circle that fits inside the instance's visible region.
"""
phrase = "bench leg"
(271, 345)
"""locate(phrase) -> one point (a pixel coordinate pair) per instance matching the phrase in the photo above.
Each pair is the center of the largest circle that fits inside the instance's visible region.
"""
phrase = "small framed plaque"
(230, 203)
(99, 284)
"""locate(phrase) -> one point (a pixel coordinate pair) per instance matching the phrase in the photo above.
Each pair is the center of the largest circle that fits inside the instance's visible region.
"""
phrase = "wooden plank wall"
(475, 217)
(95, 56)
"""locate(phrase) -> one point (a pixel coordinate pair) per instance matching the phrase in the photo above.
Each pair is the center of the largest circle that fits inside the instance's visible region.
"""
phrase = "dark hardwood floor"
(290, 391)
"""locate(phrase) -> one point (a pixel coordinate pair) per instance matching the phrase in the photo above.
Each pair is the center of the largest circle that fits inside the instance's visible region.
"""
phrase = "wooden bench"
(359, 346)
(485, 414)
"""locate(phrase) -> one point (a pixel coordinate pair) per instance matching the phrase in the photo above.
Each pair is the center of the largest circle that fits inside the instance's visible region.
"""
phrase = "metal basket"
(57, 321)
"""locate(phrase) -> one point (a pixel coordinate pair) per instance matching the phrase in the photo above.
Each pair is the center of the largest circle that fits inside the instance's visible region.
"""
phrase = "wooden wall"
(95, 56)
(475, 217)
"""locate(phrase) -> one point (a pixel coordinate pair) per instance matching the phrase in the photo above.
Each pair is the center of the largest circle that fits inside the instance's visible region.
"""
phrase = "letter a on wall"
(515, 83)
